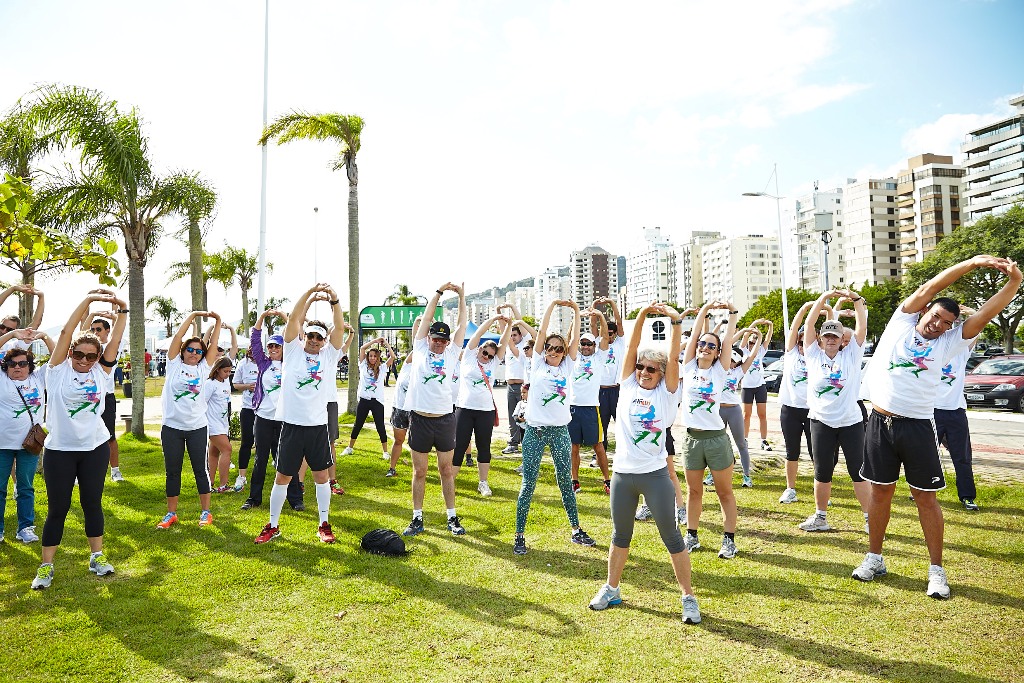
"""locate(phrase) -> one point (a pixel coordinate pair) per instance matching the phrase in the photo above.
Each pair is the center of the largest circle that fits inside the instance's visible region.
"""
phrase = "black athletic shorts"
(399, 418)
(110, 414)
(301, 441)
(756, 394)
(891, 442)
(427, 433)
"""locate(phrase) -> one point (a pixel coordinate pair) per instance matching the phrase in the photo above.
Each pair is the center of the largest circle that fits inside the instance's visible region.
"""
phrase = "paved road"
(997, 436)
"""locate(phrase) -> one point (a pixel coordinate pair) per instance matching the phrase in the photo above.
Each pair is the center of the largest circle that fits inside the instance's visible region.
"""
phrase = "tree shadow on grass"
(835, 657)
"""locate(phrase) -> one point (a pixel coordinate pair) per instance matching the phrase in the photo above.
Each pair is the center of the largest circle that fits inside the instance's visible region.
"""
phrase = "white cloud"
(944, 135)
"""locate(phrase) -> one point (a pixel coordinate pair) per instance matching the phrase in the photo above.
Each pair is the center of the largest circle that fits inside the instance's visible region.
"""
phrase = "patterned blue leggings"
(534, 441)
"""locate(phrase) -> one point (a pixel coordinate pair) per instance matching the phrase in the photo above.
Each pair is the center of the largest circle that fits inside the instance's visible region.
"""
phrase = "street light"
(782, 249)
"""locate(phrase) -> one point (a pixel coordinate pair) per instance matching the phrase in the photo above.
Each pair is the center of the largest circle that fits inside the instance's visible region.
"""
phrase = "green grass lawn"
(193, 604)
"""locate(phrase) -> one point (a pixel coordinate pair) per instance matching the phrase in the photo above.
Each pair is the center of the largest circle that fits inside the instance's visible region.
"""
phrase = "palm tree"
(236, 265)
(271, 323)
(345, 131)
(166, 311)
(199, 207)
(403, 296)
(179, 270)
(115, 189)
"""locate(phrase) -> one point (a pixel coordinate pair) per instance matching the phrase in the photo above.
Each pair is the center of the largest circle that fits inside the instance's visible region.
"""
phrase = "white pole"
(261, 289)
(782, 254)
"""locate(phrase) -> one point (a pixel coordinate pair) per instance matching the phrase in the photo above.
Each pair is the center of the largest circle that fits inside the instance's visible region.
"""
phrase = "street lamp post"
(782, 249)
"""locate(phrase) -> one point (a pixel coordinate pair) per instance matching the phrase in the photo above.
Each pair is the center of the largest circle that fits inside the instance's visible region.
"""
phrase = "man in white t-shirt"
(585, 426)
(431, 410)
(904, 376)
(608, 397)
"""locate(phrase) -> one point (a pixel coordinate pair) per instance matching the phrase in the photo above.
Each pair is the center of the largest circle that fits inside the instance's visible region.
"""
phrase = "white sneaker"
(239, 483)
(691, 612)
(115, 474)
(728, 550)
(27, 535)
(938, 587)
(709, 480)
(815, 523)
(348, 451)
(385, 455)
(43, 578)
(643, 513)
(681, 516)
(483, 489)
(765, 446)
(872, 566)
(788, 496)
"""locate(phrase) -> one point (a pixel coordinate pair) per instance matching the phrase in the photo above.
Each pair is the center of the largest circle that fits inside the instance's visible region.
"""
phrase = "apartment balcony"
(986, 157)
(904, 200)
(908, 253)
(977, 175)
(982, 190)
(977, 144)
(989, 204)
(908, 238)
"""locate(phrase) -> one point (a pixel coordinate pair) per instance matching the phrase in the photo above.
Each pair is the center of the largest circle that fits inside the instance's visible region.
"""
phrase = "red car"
(996, 383)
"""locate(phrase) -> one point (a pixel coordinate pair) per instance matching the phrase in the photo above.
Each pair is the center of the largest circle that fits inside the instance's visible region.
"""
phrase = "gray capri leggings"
(733, 418)
(827, 439)
(660, 496)
(174, 442)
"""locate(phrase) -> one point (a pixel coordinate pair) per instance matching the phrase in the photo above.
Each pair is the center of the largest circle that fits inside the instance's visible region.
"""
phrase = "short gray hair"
(655, 356)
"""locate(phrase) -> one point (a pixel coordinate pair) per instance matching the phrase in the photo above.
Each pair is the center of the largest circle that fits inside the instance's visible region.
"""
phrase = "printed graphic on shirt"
(191, 387)
(586, 371)
(32, 398)
(704, 394)
(915, 355)
(88, 396)
(947, 374)
(559, 384)
(275, 379)
(485, 378)
(371, 381)
(436, 364)
(800, 372)
(732, 384)
(833, 380)
(313, 375)
(610, 360)
(643, 413)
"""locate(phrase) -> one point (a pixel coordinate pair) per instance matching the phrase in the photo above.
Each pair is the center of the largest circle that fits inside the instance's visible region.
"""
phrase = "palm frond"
(344, 129)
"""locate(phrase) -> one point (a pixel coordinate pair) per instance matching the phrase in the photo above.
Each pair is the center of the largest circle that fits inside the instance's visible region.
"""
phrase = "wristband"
(439, 291)
(122, 310)
(734, 312)
(859, 298)
(677, 322)
(107, 363)
(333, 303)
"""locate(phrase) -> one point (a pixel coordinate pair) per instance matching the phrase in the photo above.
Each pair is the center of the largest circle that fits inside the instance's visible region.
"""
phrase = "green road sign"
(392, 317)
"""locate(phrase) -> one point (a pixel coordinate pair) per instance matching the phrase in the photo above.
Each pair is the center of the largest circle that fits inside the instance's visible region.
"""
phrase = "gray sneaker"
(681, 516)
(691, 543)
(643, 513)
(455, 526)
(509, 450)
(415, 527)
(728, 550)
(27, 535)
(44, 577)
(788, 496)
(691, 611)
(605, 598)
(99, 566)
(518, 469)
(872, 566)
(938, 587)
(709, 480)
(815, 523)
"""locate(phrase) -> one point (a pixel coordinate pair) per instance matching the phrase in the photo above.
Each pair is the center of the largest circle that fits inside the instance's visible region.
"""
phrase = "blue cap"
(276, 339)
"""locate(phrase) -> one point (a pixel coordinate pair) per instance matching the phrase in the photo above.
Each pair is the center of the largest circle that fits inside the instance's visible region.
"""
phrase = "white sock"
(278, 493)
(822, 513)
(323, 500)
(115, 469)
(865, 516)
(451, 512)
(874, 556)
(417, 514)
(93, 556)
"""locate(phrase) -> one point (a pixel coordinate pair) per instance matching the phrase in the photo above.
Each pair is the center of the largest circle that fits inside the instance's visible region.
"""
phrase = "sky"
(501, 136)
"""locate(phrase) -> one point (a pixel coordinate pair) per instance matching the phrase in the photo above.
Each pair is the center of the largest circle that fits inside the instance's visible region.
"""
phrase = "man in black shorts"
(903, 379)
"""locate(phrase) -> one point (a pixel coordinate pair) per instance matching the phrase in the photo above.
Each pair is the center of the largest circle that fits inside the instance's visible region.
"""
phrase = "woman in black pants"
(372, 371)
(76, 446)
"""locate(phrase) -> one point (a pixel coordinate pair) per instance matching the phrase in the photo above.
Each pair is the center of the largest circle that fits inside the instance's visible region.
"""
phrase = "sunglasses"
(586, 343)
(556, 349)
(649, 368)
(17, 364)
(96, 330)
(6, 329)
(486, 355)
(192, 349)
(273, 346)
(82, 355)
(709, 345)
(314, 336)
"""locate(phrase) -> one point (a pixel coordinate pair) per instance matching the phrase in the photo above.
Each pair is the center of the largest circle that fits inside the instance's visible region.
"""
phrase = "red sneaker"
(336, 488)
(575, 486)
(608, 487)
(324, 533)
(269, 533)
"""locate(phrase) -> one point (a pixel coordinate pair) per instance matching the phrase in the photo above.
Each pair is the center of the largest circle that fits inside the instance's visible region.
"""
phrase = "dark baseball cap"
(440, 330)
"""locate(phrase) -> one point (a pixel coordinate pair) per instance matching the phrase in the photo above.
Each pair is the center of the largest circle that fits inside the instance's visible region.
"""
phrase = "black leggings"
(60, 468)
(829, 440)
(467, 423)
(268, 435)
(248, 420)
(794, 424)
(175, 442)
(365, 407)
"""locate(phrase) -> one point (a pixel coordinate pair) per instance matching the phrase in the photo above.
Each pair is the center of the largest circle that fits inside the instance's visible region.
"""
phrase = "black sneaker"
(391, 472)
(249, 504)
(415, 527)
(469, 461)
(580, 536)
(969, 504)
(455, 526)
(519, 546)
(299, 507)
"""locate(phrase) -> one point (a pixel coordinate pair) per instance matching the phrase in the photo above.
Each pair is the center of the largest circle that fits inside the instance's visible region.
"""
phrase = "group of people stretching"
(566, 389)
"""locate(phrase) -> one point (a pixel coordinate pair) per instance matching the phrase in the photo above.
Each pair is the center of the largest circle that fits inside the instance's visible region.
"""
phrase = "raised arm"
(672, 366)
(459, 335)
(390, 360)
(337, 335)
(474, 341)
(794, 330)
(768, 334)
(294, 326)
(574, 331)
(430, 309)
(973, 326)
(60, 352)
(349, 336)
(725, 355)
(601, 330)
(233, 351)
(923, 295)
(506, 332)
(810, 335)
(109, 359)
(37, 318)
(629, 360)
(542, 334)
(174, 349)
(698, 329)
(366, 347)
(212, 354)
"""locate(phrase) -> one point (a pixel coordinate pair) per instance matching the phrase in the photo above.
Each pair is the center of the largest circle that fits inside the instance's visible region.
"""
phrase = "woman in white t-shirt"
(754, 389)
(185, 424)
(372, 371)
(217, 394)
(76, 447)
(475, 409)
(547, 423)
(833, 384)
(648, 403)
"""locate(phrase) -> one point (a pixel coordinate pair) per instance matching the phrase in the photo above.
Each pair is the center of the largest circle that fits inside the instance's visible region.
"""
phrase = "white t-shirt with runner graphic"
(644, 416)
(246, 373)
(904, 373)
(370, 386)
(515, 368)
(182, 399)
(307, 383)
(428, 390)
(74, 408)
(833, 385)
(217, 395)
(613, 361)
(549, 393)
(755, 377)
(951, 385)
(586, 378)
(473, 391)
(15, 418)
(793, 387)
(731, 394)
(702, 395)
(272, 377)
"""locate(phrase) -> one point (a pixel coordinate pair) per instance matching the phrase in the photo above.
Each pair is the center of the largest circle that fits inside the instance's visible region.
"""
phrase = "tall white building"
(994, 160)
(593, 274)
(871, 233)
(689, 275)
(551, 285)
(741, 270)
(927, 203)
(815, 213)
(525, 299)
(650, 271)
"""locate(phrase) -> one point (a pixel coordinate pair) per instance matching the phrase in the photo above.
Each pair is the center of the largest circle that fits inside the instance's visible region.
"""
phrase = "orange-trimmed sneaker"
(268, 533)
(325, 534)
(169, 519)
(206, 518)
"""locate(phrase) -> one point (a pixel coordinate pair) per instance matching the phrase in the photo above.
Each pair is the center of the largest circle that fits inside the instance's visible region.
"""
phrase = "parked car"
(973, 361)
(996, 383)
(772, 355)
(773, 376)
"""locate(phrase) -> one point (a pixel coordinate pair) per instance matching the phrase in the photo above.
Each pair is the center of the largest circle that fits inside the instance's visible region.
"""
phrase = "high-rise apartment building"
(650, 271)
(689, 275)
(551, 285)
(870, 232)
(818, 213)
(927, 203)
(741, 270)
(994, 163)
(593, 274)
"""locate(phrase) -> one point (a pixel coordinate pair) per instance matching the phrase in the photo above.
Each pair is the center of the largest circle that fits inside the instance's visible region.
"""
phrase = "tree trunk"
(137, 344)
(26, 303)
(197, 281)
(353, 290)
(245, 311)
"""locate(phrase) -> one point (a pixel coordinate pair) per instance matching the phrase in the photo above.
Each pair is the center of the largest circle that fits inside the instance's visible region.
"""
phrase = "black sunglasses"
(486, 355)
(314, 336)
(82, 355)
(96, 330)
(556, 349)
(7, 329)
(17, 364)
(586, 343)
(649, 368)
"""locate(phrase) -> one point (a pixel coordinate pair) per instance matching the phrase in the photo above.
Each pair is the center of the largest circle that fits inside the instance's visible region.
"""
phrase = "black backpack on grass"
(384, 542)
